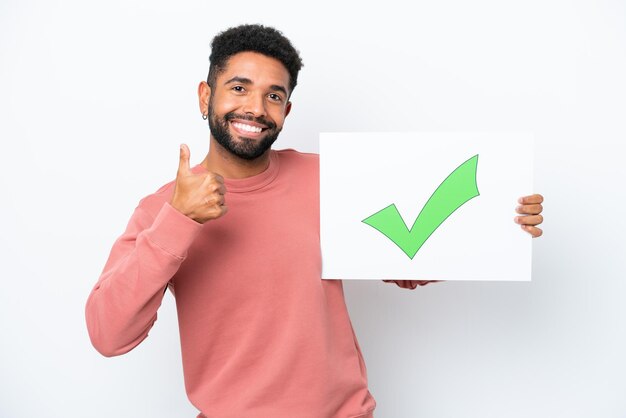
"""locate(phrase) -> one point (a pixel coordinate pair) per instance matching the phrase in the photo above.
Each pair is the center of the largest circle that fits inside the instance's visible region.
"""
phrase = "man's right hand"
(198, 196)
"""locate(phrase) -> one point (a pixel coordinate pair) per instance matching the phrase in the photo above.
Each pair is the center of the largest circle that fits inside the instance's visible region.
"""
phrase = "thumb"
(183, 163)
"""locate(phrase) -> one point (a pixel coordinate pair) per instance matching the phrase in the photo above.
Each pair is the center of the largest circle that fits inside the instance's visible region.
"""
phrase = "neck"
(222, 162)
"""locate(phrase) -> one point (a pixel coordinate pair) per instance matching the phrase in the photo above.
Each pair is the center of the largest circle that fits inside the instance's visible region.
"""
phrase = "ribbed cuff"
(173, 231)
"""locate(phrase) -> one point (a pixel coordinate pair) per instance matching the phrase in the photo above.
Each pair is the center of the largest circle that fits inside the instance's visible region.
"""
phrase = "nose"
(255, 105)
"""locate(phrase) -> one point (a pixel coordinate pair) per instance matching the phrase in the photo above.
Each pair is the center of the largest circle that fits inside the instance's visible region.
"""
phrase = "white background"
(478, 241)
(96, 96)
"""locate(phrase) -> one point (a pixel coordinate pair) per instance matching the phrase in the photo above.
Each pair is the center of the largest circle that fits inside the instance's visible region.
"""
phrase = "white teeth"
(247, 128)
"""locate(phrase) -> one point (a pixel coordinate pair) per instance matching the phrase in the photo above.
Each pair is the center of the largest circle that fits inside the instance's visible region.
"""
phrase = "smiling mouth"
(247, 129)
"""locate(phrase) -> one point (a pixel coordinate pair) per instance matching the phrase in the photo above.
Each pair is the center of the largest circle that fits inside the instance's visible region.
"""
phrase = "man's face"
(248, 104)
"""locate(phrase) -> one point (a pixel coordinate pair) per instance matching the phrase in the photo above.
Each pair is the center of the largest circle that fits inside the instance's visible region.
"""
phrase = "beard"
(246, 148)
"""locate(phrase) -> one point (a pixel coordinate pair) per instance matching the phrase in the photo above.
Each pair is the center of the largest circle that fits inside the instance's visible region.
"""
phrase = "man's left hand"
(530, 208)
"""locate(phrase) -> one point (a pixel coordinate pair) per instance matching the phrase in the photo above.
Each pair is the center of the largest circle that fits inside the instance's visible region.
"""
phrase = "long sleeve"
(122, 306)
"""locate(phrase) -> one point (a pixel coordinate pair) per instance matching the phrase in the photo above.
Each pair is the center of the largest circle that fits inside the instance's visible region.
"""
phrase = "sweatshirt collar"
(252, 183)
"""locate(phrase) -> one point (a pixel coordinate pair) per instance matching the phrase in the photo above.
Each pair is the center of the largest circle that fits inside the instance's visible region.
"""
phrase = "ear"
(287, 108)
(204, 94)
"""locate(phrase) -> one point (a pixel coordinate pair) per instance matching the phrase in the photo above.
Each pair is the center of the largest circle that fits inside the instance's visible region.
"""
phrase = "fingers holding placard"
(530, 207)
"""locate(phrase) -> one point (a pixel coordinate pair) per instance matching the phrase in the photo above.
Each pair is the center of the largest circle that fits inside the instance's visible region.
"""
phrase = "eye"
(238, 89)
(275, 97)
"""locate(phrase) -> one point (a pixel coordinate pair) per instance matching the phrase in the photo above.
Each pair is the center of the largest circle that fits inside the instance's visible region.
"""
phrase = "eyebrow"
(247, 81)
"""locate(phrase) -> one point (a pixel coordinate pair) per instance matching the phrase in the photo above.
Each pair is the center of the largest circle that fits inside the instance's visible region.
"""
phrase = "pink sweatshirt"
(262, 335)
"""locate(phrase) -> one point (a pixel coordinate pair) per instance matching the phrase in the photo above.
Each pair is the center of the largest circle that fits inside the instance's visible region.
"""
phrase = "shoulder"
(293, 159)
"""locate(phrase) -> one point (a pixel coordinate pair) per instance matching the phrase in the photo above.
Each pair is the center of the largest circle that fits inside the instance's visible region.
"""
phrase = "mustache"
(232, 115)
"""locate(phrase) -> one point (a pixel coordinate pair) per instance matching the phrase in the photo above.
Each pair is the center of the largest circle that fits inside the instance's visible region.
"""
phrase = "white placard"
(363, 173)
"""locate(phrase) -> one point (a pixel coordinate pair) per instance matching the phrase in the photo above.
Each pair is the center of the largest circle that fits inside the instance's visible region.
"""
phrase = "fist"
(198, 196)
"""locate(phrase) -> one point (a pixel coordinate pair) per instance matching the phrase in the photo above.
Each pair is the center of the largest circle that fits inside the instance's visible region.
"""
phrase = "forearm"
(122, 306)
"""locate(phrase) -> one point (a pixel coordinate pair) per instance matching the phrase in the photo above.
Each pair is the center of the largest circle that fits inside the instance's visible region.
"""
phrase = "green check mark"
(457, 189)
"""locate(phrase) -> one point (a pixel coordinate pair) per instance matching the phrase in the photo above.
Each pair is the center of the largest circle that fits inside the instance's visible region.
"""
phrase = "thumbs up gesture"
(198, 196)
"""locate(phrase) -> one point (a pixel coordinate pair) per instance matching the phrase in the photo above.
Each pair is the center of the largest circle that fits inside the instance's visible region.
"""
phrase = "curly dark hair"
(258, 38)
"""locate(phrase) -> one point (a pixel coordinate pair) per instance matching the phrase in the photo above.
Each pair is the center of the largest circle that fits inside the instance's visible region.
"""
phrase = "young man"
(236, 239)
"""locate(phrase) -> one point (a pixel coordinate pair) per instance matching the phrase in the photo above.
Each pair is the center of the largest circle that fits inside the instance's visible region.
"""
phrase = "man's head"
(252, 74)
(257, 38)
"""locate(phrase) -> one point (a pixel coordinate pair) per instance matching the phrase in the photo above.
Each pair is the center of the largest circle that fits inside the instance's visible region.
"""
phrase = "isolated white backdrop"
(96, 96)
